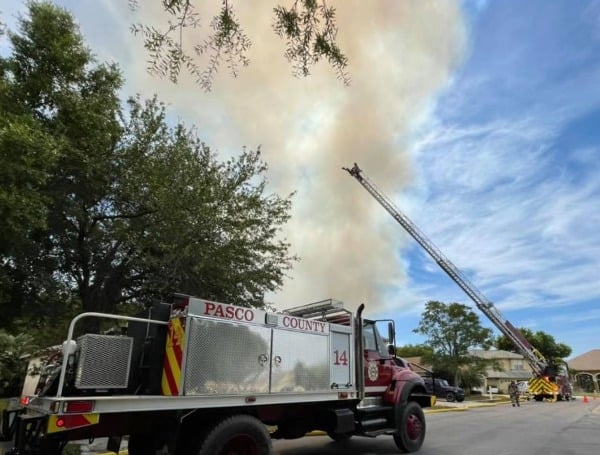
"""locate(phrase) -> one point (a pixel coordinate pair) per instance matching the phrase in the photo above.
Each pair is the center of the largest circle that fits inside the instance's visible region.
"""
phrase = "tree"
(28, 156)
(415, 350)
(308, 26)
(210, 227)
(451, 330)
(542, 341)
(13, 363)
(126, 207)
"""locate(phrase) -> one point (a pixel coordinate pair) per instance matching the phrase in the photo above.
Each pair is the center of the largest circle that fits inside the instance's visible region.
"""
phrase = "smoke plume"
(400, 54)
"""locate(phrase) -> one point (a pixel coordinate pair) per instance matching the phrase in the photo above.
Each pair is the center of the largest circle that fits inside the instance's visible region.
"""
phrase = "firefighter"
(513, 391)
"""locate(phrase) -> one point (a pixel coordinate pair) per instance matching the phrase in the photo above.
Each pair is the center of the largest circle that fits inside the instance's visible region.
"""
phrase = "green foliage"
(310, 30)
(14, 350)
(542, 341)
(451, 330)
(167, 55)
(308, 27)
(61, 113)
(415, 350)
(26, 156)
(114, 207)
(208, 227)
(471, 377)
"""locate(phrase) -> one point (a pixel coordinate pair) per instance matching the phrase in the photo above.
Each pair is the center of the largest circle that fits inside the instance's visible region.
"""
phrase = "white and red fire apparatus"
(200, 377)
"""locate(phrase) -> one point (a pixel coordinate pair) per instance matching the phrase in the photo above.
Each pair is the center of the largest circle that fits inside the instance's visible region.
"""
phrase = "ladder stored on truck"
(545, 380)
(328, 310)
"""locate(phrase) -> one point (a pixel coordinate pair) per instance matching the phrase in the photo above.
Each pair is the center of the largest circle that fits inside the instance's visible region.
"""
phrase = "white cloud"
(504, 199)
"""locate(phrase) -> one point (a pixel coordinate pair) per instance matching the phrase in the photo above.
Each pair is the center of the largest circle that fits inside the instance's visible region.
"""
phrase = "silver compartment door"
(300, 362)
(226, 358)
(341, 356)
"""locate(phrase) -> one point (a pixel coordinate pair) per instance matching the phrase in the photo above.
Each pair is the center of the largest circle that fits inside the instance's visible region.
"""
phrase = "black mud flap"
(9, 424)
(28, 434)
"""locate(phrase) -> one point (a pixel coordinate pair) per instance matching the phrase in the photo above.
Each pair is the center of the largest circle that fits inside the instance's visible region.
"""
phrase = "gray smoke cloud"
(401, 53)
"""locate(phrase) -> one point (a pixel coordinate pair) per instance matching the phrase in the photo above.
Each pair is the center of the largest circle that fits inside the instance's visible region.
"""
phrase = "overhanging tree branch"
(308, 26)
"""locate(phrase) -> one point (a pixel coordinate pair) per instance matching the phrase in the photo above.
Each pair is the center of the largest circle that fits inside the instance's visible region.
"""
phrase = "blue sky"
(509, 169)
(481, 119)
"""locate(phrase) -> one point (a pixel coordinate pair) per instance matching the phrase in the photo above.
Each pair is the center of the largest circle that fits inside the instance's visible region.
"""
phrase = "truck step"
(373, 424)
(375, 433)
(373, 416)
(370, 410)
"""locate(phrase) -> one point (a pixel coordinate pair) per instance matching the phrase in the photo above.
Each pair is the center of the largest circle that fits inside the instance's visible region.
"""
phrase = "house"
(513, 367)
(586, 371)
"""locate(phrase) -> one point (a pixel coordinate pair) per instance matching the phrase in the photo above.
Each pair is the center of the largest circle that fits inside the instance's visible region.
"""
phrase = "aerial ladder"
(550, 381)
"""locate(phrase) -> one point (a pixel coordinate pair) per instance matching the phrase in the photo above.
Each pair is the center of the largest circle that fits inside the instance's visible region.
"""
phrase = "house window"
(518, 365)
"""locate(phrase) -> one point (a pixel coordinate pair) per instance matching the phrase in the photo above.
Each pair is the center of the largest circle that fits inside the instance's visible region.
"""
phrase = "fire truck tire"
(237, 435)
(410, 423)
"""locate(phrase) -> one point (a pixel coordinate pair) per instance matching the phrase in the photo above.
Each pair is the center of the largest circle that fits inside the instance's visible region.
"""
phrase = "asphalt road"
(561, 428)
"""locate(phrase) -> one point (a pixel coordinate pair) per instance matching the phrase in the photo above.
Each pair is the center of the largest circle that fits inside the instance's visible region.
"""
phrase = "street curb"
(440, 410)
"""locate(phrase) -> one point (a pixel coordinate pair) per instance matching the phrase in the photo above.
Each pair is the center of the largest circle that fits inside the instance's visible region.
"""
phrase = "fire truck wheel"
(237, 435)
(339, 437)
(410, 422)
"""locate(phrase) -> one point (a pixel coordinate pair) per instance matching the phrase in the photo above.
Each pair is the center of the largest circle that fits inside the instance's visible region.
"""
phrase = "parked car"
(440, 388)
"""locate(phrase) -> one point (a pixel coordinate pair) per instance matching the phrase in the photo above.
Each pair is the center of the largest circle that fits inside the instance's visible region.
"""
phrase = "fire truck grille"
(103, 361)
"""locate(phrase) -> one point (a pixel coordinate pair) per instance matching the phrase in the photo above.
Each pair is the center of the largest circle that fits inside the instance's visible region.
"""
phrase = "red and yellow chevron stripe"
(171, 378)
(65, 422)
(542, 386)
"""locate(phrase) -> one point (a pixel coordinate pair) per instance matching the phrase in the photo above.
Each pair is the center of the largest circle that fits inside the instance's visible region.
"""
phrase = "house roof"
(495, 354)
(590, 361)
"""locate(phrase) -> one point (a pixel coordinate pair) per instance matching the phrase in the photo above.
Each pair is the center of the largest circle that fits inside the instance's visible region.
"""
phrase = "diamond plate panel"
(104, 361)
(300, 362)
(226, 358)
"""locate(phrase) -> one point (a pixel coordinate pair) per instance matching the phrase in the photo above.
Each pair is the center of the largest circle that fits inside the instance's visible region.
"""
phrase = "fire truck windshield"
(372, 340)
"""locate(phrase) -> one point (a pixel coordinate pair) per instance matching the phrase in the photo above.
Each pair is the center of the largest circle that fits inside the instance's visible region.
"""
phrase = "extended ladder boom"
(533, 356)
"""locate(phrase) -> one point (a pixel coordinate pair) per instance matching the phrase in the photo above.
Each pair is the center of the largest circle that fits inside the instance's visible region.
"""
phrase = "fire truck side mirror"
(391, 333)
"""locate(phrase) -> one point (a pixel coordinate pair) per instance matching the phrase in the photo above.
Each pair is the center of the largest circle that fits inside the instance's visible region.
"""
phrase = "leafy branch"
(308, 26)
(165, 46)
(310, 29)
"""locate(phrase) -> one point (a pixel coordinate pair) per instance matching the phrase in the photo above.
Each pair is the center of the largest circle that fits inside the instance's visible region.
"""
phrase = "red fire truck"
(200, 377)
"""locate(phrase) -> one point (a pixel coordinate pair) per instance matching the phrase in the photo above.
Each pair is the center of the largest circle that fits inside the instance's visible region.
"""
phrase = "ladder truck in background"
(550, 381)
